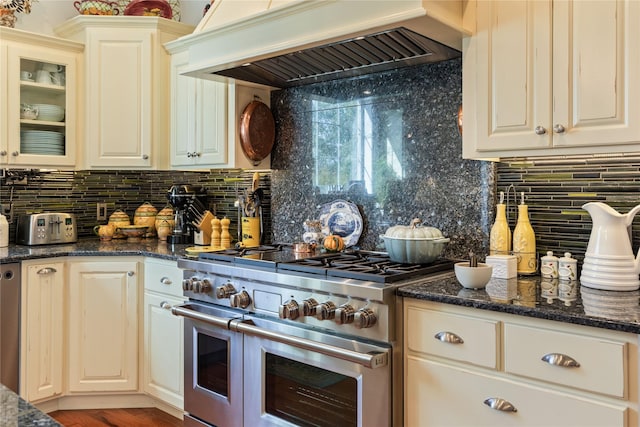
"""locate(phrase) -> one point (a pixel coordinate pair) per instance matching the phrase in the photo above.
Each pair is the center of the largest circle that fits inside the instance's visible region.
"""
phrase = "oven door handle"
(184, 311)
(372, 360)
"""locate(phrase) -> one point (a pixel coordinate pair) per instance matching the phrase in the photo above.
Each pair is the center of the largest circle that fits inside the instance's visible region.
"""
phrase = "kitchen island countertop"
(15, 411)
(533, 296)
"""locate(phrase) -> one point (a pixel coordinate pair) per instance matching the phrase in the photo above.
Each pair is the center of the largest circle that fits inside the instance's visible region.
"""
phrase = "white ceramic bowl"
(473, 277)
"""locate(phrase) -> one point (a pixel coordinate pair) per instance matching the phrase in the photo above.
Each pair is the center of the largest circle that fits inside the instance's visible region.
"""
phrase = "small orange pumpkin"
(333, 243)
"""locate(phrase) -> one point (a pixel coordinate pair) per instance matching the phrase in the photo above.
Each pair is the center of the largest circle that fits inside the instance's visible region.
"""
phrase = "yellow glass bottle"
(524, 241)
(500, 235)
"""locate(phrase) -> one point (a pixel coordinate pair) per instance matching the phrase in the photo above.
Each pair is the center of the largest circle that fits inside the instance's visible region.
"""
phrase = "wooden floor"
(144, 417)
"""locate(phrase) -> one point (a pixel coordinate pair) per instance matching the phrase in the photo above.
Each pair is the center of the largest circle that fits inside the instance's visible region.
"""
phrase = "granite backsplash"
(412, 137)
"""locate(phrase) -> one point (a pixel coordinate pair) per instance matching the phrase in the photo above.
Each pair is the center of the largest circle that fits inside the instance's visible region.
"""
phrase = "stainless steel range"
(277, 338)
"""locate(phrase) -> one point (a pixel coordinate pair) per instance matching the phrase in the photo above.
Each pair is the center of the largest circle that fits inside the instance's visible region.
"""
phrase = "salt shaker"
(567, 267)
(549, 266)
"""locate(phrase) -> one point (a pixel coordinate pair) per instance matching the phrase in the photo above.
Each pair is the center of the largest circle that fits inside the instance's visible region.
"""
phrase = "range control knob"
(364, 318)
(326, 311)
(240, 300)
(289, 310)
(309, 307)
(186, 285)
(344, 314)
(201, 286)
(225, 291)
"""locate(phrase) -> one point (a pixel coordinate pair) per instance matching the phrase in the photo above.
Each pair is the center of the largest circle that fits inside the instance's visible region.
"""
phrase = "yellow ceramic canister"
(146, 215)
(119, 219)
(165, 214)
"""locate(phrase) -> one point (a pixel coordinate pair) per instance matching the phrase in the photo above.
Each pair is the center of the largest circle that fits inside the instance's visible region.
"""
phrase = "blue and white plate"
(341, 218)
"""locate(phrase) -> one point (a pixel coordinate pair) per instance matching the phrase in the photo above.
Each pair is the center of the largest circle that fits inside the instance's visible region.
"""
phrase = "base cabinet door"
(103, 325)
(441, 395)
(42, 330)
(163, 348)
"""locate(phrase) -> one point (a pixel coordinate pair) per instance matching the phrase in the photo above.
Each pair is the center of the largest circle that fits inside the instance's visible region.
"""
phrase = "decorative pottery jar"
(164, 229)
(165, 215)
(146, 215)
(119, 219)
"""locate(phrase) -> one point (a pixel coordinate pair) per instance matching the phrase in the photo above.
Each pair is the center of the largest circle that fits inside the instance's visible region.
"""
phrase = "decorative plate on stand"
(341, 218)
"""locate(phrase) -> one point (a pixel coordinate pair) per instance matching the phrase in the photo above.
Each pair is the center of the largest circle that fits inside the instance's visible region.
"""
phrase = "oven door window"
(309, 396)
(213, 370)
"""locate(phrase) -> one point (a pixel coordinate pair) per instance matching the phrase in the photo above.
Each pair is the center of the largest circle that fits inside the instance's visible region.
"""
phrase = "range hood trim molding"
(285, 29)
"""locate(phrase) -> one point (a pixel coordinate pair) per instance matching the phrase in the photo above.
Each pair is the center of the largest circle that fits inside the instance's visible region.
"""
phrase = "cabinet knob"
(198, 154)
(15, 154)
(165, 281)
(540, 130)
(3, 153)
(130, 273)
(559, 359)
(47, 270)
(449, 337)
(145, 157)
(558, 128)
(165, 305)
(500, 404)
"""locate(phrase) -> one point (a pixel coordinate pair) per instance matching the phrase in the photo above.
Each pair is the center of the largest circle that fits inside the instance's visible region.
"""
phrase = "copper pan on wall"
(257, 131)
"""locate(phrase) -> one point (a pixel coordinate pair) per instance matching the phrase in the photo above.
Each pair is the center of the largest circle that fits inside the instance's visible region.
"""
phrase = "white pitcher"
(609, 262)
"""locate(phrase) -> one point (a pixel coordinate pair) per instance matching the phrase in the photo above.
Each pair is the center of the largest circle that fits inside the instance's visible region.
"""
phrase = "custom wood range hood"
(284, 43)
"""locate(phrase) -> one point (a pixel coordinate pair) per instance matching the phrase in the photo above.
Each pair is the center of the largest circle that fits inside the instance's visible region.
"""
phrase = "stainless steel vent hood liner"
(283, 43)
(386, 50)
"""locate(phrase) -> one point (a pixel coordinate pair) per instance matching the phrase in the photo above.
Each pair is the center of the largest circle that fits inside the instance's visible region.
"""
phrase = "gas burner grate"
(363, 265)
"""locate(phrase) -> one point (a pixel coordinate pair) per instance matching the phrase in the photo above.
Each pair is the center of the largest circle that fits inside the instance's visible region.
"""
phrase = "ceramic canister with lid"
(119, 219)
(146, 215)
(567, 267)
(549, 266)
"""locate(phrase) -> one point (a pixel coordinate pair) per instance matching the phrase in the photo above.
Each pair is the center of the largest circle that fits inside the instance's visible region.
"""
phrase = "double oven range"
(277, 338)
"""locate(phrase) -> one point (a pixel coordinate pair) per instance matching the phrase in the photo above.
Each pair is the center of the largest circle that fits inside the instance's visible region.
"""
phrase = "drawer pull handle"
(449, 337)
(47, 270)
(559, 359)
(165, 281)
(500, 404)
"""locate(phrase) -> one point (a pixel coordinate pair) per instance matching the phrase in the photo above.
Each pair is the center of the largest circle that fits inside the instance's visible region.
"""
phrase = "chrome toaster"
(46, 228)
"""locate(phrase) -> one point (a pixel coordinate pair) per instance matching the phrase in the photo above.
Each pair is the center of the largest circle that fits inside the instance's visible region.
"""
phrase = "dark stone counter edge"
(534, 312)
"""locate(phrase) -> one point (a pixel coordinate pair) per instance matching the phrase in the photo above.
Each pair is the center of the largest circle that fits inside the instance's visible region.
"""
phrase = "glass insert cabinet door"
(41, 107)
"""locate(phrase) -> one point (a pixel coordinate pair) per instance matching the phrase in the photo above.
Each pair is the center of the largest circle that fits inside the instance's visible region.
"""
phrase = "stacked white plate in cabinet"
(50, 113)
(41, 142)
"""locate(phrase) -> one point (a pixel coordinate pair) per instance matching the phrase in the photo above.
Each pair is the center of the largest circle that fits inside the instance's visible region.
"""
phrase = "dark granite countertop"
(94, 247)
(567, 302)
(15, 411)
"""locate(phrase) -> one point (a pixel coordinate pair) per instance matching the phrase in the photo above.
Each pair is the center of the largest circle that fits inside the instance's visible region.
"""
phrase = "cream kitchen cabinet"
(198, 118)
(465, 366)
(163, 332)
(42, 329)
(205, 117)
(126, 90)
(103, 320)
(551, 78)
(42, 72)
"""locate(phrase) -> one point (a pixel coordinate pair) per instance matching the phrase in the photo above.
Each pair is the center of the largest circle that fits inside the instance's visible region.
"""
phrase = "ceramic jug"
(610, 237)
(609, 262)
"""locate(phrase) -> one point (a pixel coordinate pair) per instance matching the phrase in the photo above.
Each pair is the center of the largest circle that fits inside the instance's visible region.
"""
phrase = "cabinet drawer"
(478, 342)
(441, 395)
(163, 276)
(602, 363)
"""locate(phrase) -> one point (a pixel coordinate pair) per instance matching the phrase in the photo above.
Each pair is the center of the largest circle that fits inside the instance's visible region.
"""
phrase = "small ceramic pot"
(163, 229)
(105, 232)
